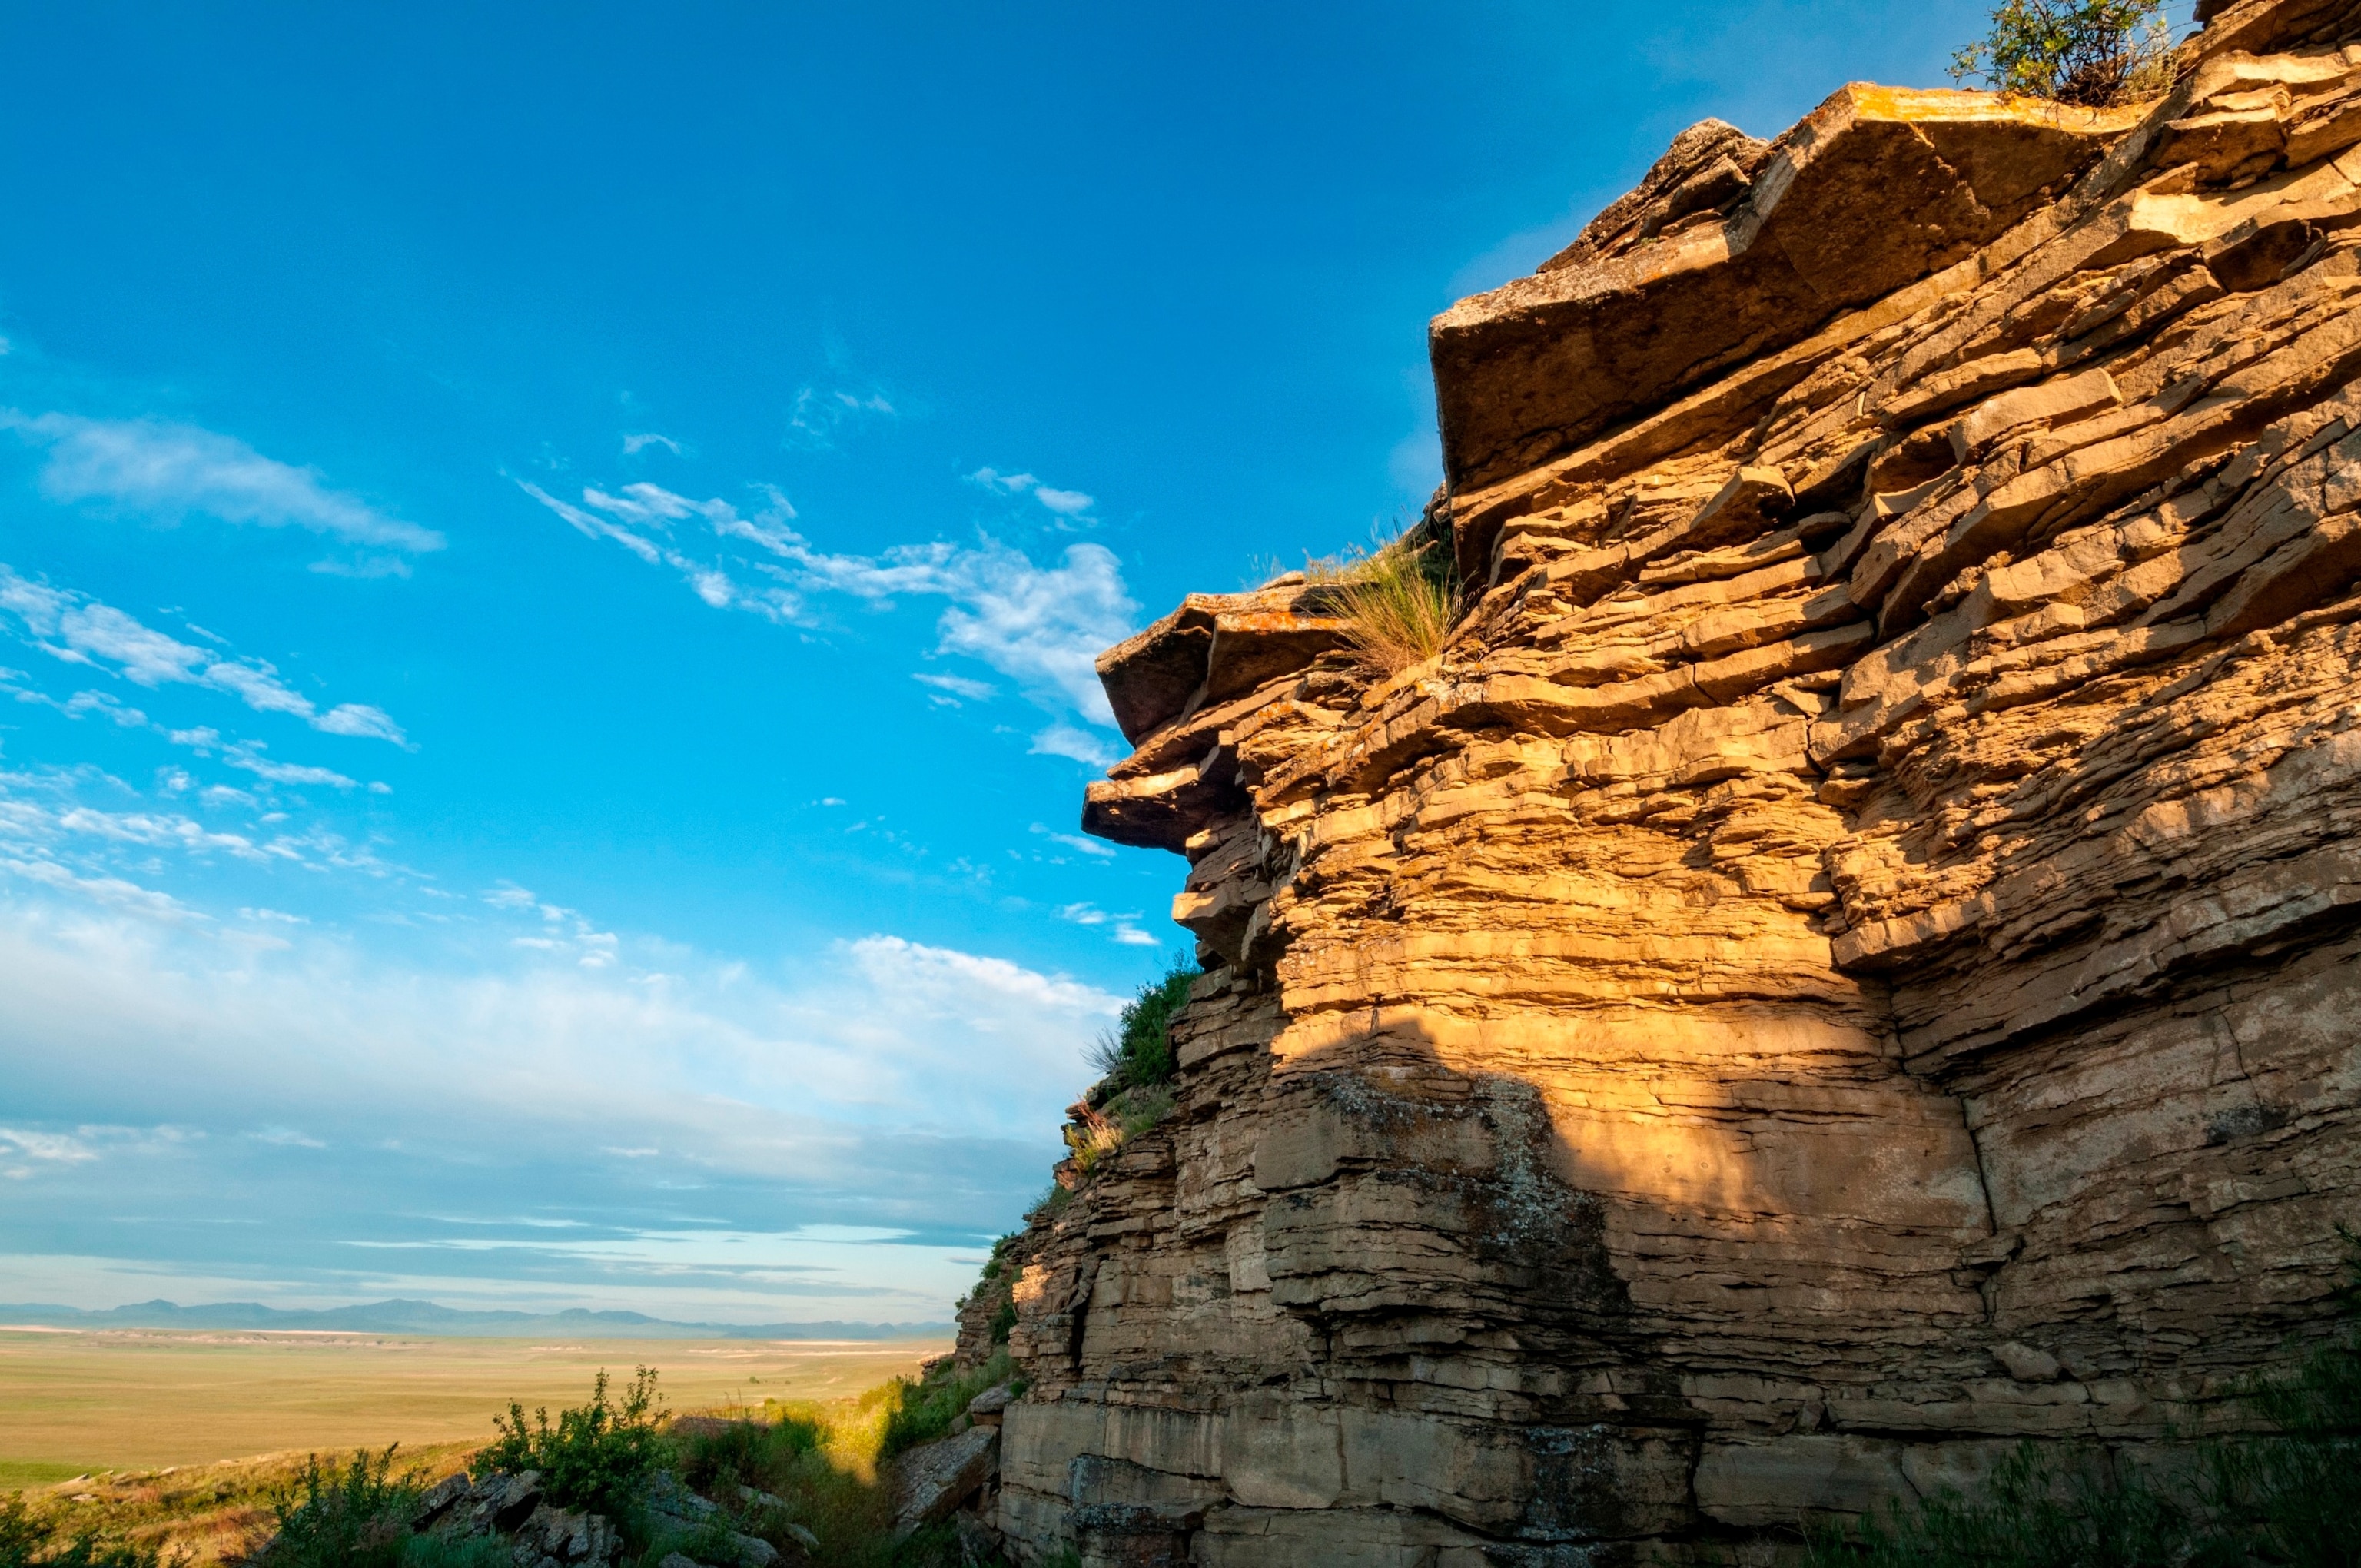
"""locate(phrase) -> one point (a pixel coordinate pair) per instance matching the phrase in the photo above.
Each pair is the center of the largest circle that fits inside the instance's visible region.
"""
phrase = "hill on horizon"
(397, 1316)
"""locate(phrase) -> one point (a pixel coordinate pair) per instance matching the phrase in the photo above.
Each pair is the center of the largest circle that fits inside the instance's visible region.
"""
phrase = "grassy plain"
(76, 1403)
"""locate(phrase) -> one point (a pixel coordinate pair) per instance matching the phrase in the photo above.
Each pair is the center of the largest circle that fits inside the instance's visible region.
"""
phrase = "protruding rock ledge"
(1875, 189)
(1214, 648)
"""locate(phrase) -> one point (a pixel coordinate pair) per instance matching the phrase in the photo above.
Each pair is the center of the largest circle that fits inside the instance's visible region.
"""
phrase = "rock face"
(1851, 957)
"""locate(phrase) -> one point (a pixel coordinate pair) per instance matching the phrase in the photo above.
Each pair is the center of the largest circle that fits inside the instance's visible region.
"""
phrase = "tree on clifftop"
(2093, 52)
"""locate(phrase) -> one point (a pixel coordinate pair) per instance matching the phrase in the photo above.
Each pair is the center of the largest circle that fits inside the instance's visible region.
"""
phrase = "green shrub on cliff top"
(2093, 52)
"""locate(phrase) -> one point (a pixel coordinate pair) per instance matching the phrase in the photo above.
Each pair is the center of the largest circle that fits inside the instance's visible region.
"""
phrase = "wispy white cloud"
(1125, 933)
(1081, 745)
(165, 470)
(893, 962)
(819, 414)
(1041, 625)
(1092, 846)
(247, 755)
(640, 519)
(1065, 503)
(22, 1149)
(106, 707)
(80, 630)
(118, 894)
(958, 686)
(633, 445)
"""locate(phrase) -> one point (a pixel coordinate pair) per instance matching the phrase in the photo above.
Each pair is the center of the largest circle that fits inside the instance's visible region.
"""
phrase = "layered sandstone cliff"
(1850, 958)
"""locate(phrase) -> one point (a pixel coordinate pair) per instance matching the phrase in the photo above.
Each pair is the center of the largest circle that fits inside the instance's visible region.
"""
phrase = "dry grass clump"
(1397, 599)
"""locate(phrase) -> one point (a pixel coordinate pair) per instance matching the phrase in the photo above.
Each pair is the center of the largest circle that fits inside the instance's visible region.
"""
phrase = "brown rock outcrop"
(1851, 957)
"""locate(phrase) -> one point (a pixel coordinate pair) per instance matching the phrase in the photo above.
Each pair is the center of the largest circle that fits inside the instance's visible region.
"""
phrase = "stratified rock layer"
(1848, 958)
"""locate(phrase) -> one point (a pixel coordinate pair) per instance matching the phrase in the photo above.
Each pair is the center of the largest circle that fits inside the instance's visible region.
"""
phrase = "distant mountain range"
(428, 1318)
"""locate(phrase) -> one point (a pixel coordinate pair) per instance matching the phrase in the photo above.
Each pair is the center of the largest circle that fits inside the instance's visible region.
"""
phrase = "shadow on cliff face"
(1418, 1219)
(1371, 1147)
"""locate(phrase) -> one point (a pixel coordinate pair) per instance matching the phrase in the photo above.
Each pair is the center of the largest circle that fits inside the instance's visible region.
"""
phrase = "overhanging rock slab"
(1875, 189)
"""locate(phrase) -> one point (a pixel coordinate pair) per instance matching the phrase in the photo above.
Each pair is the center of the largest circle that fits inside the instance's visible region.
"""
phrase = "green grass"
(926, 1409)
(15, 1473)
(823, 1466)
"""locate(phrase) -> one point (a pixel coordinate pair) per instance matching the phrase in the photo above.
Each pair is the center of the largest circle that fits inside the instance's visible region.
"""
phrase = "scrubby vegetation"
(2091, 53)
(1135, 1063)
(358, 1514)
(192, 1513)
(1399, 598)
(925, 1407)
(996, 1285)
(27, 1539)
(776, 1473)
(2292, 1498)
(596, 1456)
(817, 1467)
(1138, 1052)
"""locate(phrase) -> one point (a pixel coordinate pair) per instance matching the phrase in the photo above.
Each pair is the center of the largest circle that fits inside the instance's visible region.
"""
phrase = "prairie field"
(77, 1403)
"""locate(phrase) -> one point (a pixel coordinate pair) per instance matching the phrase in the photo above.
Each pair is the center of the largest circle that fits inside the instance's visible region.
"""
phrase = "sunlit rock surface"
(1851, 957)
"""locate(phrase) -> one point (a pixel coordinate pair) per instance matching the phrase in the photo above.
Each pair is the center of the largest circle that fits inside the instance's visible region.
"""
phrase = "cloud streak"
(1041, 625)
(167, 470)
(1065, 503)
(80, 630)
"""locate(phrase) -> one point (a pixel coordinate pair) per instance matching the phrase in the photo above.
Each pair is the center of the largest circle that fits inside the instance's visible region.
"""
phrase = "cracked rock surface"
(1850, 958)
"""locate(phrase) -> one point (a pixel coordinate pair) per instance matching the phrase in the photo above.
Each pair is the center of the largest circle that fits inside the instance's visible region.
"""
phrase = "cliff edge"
(1850, 958)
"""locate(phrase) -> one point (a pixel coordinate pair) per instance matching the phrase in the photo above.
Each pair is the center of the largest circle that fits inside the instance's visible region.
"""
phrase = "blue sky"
(550, 558)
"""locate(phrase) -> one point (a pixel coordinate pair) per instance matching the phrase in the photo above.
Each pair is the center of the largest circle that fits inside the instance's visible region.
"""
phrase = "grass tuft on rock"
(1397, 599)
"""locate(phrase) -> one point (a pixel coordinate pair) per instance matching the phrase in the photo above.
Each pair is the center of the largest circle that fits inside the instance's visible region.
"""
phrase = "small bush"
(2091, 53)
(1138, 1051)
(923, 1411)
(355, 1516)
(596, 1454)
(1398, 600)
(27, 1539)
